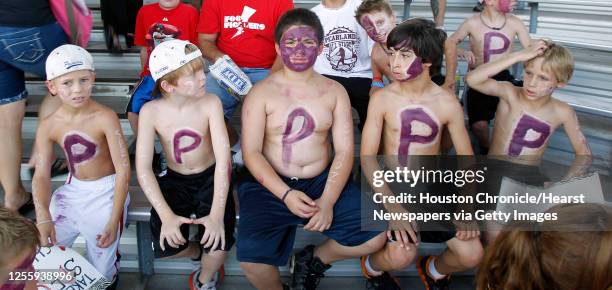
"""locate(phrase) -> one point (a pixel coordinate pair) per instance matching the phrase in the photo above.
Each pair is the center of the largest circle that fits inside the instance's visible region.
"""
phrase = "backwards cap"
(66, 59)
(169, 56)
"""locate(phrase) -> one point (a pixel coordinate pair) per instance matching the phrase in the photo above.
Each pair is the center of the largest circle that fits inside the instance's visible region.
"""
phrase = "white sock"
(370, 270)
(432, 270)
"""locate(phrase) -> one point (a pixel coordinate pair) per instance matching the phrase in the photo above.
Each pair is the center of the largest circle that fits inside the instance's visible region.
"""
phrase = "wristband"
(44, 222)
(378, 84)
(285, 195)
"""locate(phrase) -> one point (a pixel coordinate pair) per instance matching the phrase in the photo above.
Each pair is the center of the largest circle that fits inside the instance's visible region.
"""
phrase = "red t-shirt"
(155, 25)
(245, 28)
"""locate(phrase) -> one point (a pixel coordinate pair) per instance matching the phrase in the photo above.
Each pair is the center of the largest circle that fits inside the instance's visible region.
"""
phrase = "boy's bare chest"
(296, 117)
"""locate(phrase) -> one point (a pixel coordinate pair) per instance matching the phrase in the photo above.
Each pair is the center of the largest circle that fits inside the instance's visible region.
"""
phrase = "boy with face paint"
(94, 200)
(295, 177)
(491, 34)
(190, 125)
(527, 116)
(408, 117)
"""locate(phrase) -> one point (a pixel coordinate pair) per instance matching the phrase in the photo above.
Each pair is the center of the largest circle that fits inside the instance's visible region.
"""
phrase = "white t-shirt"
(347, 46)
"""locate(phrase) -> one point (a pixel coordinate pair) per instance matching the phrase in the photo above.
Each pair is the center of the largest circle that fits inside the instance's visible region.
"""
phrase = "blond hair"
(558, 60)
(17, 234)
(173, 76)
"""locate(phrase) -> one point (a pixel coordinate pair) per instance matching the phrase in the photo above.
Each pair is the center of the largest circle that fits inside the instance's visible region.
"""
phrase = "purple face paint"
(78, 149)
(289, 139)
(406, 135)
(178, 150)
(519, 137)
(488, 38)
(369, 27)
(415, 69)
(301, 57)
(505, 6)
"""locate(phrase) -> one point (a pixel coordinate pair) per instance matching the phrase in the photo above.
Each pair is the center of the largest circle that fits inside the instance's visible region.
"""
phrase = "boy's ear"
(166, 86)
(51, 87)
(321, 46)
(277, 48)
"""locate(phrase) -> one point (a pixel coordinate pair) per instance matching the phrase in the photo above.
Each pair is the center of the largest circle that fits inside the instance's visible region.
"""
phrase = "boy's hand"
(108, 236)
(405, 232)
(449, 85)
(47, 234)
(468, 56)
(536, 49)
(214, 232)
(300, 204)
(466, 230)
(171, 231)
(322, 219)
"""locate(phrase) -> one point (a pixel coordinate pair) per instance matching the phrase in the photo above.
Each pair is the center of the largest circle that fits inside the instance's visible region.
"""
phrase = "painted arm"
(377, 78)
(41, 184)
(456, 128)
(523, 34)
(583, 158)
(121, 161)
(480, 78)
(223, 166)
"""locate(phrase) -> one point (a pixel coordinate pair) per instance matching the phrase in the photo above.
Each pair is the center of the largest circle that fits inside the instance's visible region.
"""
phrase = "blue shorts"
(230, 103)
(25, 49)
(266, 228)
(142, 94)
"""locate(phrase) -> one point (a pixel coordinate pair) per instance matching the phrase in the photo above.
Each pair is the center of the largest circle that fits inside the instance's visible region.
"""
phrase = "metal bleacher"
(584, 26)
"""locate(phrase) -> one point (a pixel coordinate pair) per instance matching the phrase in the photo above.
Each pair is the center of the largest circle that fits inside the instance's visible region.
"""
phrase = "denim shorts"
(25, 49)
(230, 103)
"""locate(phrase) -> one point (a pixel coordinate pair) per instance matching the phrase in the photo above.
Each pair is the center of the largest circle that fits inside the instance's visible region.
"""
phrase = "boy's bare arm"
(144, 158)
(41, 184)
(456, 128)
(221, 149)
(574, 132)
(480, 78)
(41, 181)
(121, 161)
(450, 53)
(344, 146)
(522, 32)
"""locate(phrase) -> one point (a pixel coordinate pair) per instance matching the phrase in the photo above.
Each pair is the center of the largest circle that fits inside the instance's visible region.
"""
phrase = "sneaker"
(195, 284)
(431, 284)
(306, 270)
(381, 282)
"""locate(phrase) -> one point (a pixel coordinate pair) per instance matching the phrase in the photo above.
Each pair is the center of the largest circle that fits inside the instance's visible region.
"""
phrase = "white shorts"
(84, 207)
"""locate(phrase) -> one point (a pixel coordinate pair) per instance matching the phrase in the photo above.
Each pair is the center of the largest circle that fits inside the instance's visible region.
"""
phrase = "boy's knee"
(471, 254)
(398, 257)
(249, 269)
(376, 243)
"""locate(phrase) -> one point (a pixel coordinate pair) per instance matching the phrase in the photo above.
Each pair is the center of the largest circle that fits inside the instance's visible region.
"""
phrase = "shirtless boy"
(94, 200)
(408, 117)
(296, 178)
(491, 34)
(189, 123)
(528, 115)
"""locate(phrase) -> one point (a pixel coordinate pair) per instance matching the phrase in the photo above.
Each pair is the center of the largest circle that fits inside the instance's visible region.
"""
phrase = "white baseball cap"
(67, 58)
(169, 56)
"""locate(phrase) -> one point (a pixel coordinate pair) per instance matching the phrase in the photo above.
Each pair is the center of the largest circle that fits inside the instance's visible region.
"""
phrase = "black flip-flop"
(27, 207)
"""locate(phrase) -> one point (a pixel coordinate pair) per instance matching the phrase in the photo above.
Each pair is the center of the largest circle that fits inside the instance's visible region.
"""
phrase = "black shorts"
(187, 195)
(481, 107)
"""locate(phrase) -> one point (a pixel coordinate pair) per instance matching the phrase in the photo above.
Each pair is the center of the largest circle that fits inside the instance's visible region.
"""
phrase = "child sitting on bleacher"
(491, 34)
(19, 243)
(528, 115)
(189, 123)
(156, 23)
(408, 117)
(94, 200)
